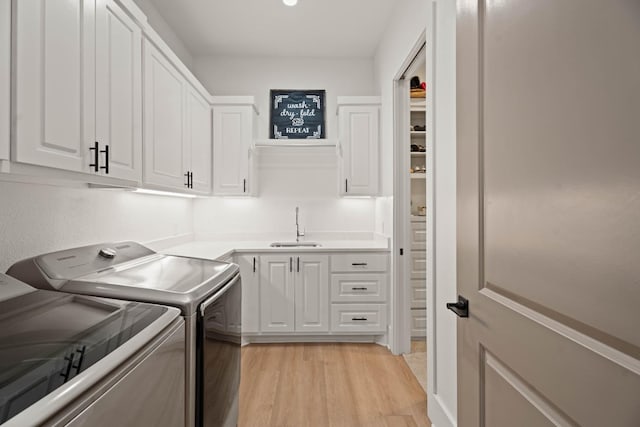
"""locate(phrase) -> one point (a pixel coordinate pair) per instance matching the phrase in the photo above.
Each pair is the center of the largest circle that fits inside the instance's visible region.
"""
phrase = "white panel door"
(5, 77)
(232, 132)
(119, 91)
(55, 83)
(198, 128)
(165, 151)
(277, 293)
(312, 293)
(359, 130)
(250, 275)
(548, 99)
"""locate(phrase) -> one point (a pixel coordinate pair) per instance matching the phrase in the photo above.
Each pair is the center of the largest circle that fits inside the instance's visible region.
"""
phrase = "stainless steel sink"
(295, 245)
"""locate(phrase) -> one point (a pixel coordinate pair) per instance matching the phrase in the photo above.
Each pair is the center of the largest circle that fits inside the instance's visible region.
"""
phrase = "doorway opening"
(410, 209)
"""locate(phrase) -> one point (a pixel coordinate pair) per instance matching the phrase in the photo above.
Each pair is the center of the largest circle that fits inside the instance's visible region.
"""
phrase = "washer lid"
(166, 279)
(48, 338)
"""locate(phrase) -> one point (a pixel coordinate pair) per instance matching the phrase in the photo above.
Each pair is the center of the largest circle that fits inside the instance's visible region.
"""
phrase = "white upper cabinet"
(233, 124)
(78, 88)
(5, 77)
(177, 124)
(55, 83)
(198, 128)
(165, 148)
(119, 91)
(358, 122)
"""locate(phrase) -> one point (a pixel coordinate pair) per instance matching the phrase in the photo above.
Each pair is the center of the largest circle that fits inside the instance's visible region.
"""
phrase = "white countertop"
(217, 249)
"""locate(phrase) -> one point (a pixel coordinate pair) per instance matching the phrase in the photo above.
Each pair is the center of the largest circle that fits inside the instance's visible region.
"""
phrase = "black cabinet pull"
(191, 179)
(359, 319)
(346, 188)
(254, 264)
(290, 264)
(359, 289)
(298, 264)
(244, 185)
(187, 176)
(359, 264)
(106, 159)
(96, 158)
(460, 308)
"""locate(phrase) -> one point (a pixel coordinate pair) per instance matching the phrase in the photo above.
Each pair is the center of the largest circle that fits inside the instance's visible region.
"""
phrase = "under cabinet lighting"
(163, 193)
(290, 2)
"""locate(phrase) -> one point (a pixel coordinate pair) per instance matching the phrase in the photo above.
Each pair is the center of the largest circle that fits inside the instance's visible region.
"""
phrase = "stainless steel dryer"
(75, 360)
(207, 292)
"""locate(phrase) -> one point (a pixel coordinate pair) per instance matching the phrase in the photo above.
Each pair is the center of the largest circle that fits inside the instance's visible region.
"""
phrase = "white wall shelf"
(294, 143)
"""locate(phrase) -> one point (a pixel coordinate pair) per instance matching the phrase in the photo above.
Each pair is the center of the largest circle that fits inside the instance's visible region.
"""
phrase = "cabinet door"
(232, 132)
(55, 83)
(164, 116)
(198, 134)
(359, 139)
(5, 76)
(312, 293)
(276, 293)
(250, 275)
(119, 91)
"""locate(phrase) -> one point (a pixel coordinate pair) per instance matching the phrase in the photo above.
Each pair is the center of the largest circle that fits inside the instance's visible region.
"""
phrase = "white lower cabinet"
(359, 318)
(313, 294)
(359, 283)
(294, 293)
(250, 275)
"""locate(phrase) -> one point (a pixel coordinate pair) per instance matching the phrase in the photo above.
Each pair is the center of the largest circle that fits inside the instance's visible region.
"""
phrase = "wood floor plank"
(335, 385)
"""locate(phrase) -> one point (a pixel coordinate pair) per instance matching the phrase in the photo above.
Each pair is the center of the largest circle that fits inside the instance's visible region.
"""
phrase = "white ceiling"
(313, 28)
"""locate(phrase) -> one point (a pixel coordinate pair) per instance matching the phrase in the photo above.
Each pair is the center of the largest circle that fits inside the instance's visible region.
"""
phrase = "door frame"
(401, 342)
(440, 37)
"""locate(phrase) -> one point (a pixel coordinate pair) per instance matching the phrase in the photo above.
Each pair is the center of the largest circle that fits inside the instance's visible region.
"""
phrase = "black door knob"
(460, 308)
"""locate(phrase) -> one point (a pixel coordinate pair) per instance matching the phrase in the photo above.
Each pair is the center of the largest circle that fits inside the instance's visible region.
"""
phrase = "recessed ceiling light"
(290, 2)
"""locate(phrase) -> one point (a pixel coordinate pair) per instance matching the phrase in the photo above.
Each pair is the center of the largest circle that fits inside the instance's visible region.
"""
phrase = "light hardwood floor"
(317, 385)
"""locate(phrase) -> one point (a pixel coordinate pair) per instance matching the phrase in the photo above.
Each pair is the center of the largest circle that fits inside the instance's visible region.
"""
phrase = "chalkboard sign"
(297, 114)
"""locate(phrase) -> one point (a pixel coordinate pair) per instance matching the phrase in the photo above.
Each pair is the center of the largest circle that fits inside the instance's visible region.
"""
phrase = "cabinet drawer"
(418, 323)
(359, 287)
(418, 265)
(418, 293)
(359, 262)
(419, 235)
(349, 318)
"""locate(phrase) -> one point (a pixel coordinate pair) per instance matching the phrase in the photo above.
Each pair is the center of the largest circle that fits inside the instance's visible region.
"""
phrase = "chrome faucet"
(299, 234)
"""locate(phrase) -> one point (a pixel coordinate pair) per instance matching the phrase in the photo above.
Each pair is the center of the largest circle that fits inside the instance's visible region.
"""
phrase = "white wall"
(36, 219)
(287, 178)
(256, 76)
(165, 31)
(403, 32)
